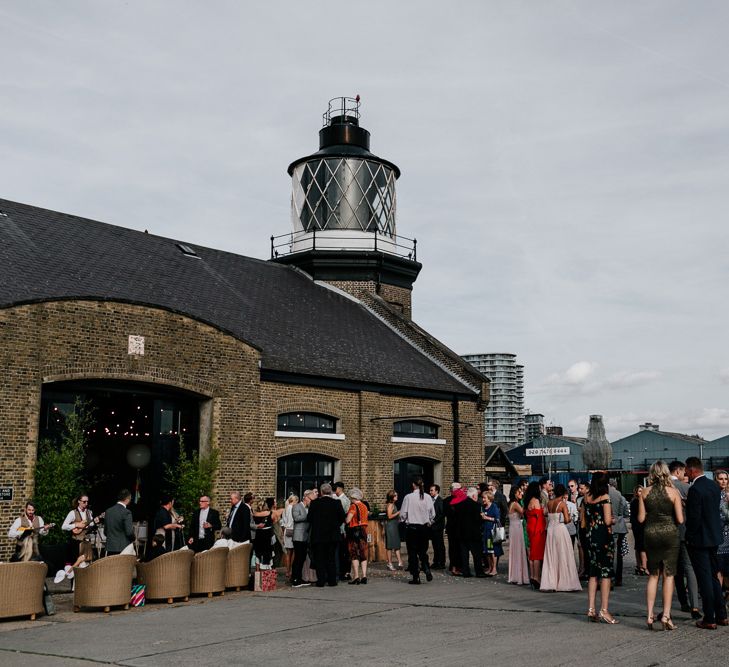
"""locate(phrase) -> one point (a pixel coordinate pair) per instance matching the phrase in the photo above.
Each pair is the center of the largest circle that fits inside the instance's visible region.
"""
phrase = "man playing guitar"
(80, 522)
(26, 529)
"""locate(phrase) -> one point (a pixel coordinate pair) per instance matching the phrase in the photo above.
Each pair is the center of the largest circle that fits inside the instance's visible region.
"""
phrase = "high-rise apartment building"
(533, 426)
(505, 413)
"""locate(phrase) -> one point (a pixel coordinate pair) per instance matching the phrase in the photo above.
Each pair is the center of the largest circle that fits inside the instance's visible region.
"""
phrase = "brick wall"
(399, 298)
(66, 340)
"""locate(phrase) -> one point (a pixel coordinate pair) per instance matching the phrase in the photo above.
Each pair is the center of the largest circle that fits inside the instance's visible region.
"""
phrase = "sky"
(564, 164)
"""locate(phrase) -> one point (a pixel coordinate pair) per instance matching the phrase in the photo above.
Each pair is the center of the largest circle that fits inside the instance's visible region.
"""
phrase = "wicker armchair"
(167, 576)
(238, 567)
(22, 589)
(208, 572)
(105, 583)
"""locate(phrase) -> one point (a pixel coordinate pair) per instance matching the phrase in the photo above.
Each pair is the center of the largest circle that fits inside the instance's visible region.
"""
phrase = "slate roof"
(300, 327)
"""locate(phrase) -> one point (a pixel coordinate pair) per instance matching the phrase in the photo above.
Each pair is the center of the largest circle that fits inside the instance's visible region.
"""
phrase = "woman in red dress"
(536, 525)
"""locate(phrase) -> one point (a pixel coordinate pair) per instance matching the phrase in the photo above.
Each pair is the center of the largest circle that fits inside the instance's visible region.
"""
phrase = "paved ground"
(451, 620)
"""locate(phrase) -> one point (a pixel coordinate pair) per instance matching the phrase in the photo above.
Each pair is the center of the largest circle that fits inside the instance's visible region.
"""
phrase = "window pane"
(306, 421)
(309, 466)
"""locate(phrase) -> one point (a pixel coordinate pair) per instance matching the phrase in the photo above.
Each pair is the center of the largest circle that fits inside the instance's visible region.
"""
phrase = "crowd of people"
(557, 535)
(680, 523)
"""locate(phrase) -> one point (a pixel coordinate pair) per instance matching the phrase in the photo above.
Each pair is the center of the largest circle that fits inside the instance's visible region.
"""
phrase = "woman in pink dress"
(518, 566)
(560, 571)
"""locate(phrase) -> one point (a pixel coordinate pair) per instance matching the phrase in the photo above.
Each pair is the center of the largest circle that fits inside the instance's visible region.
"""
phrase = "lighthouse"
(343, 206)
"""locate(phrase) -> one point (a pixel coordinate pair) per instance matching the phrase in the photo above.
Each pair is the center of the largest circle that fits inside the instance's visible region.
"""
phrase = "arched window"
(415, 428)
(306, 422)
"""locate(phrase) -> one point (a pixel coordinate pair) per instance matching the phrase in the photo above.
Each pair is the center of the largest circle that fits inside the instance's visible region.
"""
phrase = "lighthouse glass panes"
(344, 193)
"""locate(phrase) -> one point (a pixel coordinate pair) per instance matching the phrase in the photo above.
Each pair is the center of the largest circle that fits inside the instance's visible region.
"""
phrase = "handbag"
(498, 533)
(264, 579)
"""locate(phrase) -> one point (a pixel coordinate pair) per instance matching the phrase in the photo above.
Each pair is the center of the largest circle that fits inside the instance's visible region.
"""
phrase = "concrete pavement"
(454, 620)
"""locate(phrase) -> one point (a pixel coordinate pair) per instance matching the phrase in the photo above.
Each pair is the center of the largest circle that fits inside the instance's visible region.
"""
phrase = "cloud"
(724, 375)
(576, 375)
(711, 418)
(624, 379)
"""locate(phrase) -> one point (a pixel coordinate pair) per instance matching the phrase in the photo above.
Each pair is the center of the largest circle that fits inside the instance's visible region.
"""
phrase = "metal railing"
(296, 242)
(341, 106)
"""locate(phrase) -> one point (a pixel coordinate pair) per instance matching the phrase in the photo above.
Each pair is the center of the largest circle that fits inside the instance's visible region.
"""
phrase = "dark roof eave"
(285, 377)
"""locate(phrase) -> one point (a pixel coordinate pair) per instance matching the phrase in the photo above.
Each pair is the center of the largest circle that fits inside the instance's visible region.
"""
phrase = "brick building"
(298, 370)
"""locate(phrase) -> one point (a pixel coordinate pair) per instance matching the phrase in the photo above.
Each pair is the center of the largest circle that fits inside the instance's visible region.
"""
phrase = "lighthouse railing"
(350, 240)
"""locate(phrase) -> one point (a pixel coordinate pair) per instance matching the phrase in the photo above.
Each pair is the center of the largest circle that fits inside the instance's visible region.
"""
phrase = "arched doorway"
(404, 470)
(126, 415)
(299, 472)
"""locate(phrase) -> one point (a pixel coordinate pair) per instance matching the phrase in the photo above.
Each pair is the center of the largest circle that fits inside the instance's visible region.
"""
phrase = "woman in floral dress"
(597, 519)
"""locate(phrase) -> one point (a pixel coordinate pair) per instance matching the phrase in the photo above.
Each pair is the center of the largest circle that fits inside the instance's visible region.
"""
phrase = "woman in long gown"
(518, 566)
(660, 510)
(596, 517)
(560, 571)
(536, 524)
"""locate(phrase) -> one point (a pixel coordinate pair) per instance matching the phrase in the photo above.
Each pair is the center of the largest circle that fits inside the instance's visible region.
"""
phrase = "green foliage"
(59, 469)
(191, 477)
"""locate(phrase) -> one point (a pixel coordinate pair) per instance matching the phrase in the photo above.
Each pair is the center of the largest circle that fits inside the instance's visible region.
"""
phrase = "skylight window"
(187, 250)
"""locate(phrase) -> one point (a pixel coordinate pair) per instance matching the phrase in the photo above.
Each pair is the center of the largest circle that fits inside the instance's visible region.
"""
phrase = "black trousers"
(344, 564)
(416, 540)
(324, 554)
(436, 538)
(202, 544)
(706, 567)
(454, 551)
(475, 548)
(299, 559)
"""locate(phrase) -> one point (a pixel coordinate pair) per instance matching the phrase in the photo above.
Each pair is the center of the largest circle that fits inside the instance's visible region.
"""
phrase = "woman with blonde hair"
(660, 510)
(287, 526)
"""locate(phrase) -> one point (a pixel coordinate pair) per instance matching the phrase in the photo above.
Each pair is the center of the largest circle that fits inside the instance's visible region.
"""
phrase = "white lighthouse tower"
(343, 207)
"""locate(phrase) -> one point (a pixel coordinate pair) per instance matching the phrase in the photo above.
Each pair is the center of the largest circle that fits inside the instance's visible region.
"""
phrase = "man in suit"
(205, 523)
(703, 536)
(621, 511)
(470, 525)
(118, 524)
(687, 589)
(239, 519)
(325, 517)
(436, 529)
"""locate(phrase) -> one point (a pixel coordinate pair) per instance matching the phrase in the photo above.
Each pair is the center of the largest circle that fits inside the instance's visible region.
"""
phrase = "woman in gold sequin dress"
(660, 510)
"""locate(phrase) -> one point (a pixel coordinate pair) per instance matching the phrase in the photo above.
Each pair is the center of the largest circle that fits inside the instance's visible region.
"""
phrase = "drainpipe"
(456, 440)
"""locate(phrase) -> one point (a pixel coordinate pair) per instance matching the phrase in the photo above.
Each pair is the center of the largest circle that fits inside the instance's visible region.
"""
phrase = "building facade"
(505, 413)
(296, 371)
(533, 426)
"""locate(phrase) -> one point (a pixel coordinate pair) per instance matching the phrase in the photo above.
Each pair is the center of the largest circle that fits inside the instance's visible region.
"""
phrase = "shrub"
(191, 477)
(59, 469)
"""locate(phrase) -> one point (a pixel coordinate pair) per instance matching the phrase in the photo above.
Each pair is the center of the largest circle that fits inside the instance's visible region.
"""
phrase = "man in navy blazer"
(703, 536)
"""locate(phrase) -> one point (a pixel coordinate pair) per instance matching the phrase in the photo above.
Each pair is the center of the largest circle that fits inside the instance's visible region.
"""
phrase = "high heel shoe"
(650, 621)
(591, 615)
(604, 619)
(667, 623)
(354, 582)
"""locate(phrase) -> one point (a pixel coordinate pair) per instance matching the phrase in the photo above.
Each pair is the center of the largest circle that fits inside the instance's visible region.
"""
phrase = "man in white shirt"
(203, 526)
(417, 512)
(79, 523)
(26, 529)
